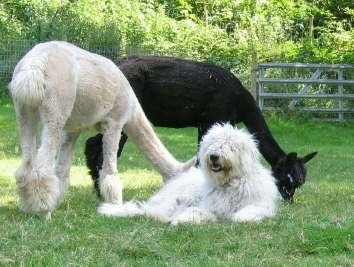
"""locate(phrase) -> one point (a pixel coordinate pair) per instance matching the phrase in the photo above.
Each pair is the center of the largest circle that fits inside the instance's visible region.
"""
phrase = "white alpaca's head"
(227, 153)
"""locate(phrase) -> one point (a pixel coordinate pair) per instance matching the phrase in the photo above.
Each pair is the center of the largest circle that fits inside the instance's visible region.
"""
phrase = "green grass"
(317, 230)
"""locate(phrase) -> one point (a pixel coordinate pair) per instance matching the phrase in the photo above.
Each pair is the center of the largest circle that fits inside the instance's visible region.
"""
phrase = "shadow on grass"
(82, 198)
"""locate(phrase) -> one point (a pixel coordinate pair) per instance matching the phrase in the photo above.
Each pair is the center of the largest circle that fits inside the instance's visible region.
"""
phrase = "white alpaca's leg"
(38, 187)
(63, 164)
(43, 189)
(26, 175)
(110, 185)
(28, 120)
(39, 190)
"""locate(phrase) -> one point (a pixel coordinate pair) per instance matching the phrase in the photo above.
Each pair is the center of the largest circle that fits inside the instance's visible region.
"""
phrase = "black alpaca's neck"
(267, 145)
(269, 148)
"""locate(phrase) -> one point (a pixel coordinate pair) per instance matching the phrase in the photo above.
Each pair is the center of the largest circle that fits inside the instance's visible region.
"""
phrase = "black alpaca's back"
(180, 93)
(183, 93)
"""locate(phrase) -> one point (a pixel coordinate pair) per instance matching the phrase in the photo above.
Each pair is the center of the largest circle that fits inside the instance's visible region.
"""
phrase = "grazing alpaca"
(69, 90)
(183, 93)
(230, 184)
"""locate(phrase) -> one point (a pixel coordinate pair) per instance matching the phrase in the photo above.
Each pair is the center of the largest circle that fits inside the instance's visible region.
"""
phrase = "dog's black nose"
(214, 157)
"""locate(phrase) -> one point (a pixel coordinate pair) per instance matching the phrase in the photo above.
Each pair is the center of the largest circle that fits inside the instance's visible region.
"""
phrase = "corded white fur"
(234, 187)
(69, 90)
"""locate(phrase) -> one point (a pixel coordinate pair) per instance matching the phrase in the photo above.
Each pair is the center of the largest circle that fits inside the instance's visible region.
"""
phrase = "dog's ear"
(249, 151)
(308, 157)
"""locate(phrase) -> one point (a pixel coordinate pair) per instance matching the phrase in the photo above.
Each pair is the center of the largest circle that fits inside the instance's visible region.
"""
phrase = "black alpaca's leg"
(202, 129)
(123, 140)
(94, 156)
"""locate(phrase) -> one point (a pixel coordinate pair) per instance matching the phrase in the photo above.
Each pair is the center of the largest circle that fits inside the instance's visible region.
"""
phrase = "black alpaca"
(183, 93)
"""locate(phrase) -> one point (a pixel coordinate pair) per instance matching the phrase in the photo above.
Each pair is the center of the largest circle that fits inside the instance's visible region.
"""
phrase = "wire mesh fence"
(12, 51)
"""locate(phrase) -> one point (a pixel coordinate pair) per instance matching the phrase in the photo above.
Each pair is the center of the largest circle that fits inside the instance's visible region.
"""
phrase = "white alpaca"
(69, 90)
(231, 184)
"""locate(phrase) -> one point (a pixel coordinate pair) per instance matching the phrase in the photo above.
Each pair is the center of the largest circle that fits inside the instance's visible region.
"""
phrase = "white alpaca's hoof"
(38, 192)
(112, 190)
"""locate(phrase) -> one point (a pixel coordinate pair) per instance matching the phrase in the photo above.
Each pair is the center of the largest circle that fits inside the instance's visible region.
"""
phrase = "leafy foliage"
(285, 30)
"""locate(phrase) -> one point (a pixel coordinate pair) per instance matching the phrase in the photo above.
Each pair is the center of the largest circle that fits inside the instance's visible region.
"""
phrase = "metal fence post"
(261, 74)
(340, 93)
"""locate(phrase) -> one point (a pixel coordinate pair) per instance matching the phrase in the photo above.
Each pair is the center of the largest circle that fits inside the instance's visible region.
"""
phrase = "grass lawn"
(317, 230)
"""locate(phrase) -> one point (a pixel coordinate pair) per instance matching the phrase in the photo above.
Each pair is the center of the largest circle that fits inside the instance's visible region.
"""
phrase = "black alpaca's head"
(290, 173)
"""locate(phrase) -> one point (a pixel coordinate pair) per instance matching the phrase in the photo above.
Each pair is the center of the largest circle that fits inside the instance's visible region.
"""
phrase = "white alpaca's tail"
(27, 84)
(143, 135)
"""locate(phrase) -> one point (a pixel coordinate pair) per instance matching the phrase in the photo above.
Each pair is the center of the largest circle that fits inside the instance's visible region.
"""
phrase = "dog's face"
(227, 153)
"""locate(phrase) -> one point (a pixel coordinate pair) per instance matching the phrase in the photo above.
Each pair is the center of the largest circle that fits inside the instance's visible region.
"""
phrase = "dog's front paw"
(110, 209)
(128, 209)
(193, 215)
(250, 214)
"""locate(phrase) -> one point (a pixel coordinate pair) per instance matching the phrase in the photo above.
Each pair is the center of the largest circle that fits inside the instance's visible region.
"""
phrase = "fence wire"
(12, 51)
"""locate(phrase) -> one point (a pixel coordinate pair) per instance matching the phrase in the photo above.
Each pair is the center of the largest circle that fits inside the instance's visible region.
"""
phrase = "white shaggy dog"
(69, 90)
(231, 184)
